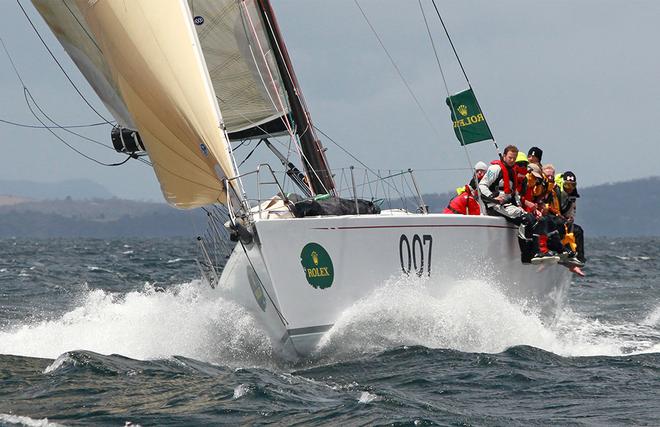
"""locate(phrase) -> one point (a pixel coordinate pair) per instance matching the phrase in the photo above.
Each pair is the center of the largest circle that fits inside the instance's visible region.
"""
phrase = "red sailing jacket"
(463, 204)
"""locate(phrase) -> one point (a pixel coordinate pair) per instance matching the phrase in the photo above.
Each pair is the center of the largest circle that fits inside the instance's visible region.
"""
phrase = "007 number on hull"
(411, 254)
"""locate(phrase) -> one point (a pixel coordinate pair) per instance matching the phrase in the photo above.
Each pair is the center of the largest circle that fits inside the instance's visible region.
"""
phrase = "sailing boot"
(544, 255)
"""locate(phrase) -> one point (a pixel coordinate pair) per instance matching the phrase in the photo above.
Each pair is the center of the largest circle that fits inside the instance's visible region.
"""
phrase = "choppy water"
(115, 332)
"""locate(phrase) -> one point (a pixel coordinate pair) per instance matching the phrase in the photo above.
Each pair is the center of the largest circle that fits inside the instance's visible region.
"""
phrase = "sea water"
(124, 333)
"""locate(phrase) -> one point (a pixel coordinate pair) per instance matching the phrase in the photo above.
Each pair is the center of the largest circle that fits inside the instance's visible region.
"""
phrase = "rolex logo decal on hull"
(317, 266)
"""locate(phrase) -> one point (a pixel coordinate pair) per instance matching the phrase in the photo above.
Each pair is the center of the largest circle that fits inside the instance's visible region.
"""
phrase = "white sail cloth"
(68, 25)
(155, 60)
(143, 60)
(241, 63)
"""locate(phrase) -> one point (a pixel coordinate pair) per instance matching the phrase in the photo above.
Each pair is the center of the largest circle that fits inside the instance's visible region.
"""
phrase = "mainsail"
(254, 80)
(242, 67)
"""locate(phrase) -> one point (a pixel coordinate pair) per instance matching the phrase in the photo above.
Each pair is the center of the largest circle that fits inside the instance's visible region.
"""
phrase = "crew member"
(534, 155)
(466, 200)
(464, 203)
(479, 172)
(547, 232)
(520, 169)
(567, 203)
(498, 189)
(498, 192)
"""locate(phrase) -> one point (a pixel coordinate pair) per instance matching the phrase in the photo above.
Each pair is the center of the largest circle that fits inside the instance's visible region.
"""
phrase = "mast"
(314, 161)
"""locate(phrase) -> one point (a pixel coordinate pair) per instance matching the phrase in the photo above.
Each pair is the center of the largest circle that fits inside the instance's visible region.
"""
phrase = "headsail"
(152, 57)
(71, 30)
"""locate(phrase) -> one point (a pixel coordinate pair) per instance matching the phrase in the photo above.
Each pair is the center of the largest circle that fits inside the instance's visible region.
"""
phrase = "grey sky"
(577, 78)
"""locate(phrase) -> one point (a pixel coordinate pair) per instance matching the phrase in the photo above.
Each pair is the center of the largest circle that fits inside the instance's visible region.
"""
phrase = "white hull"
(365, 251)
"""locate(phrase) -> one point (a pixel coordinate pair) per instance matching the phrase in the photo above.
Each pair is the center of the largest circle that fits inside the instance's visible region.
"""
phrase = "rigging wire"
(57, 126)
(92, 39)
(24, 125)
(249, 154)
(355, 158)
(298, 93)
(398, 70)
(60, 65)
(292, 138)
(285, 119)
(27, 95)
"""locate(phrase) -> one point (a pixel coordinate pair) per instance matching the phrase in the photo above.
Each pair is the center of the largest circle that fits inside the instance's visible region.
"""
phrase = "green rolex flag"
(469, 123)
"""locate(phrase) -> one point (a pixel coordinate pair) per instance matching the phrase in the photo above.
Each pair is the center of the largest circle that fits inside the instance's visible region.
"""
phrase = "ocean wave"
(241, 390)
(62, 360)
(366, 397)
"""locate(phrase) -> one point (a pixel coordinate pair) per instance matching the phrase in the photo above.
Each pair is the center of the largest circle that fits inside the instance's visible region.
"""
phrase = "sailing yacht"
(186, 81)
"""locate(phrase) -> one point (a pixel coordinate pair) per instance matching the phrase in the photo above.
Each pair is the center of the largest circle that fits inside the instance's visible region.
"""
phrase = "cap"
(569, 177)
(535, 170)
(480, 166)
(521, 158)
(535, 151)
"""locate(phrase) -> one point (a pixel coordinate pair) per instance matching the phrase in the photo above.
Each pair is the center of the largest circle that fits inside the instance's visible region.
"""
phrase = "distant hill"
(621, 209)
(102, 218)
(616, 209)
(79, 189)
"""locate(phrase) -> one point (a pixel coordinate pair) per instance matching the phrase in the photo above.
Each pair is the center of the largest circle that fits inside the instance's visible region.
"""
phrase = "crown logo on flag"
(462, 109)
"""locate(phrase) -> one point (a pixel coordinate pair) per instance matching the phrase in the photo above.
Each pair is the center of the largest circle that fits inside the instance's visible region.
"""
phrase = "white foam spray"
(188, 320)
(194, 321)
(26, 421)
(366, 397)
(473, 316)
(653, 318)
